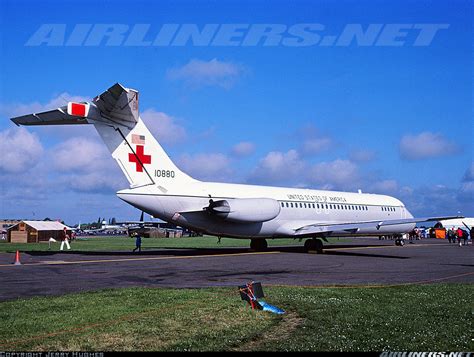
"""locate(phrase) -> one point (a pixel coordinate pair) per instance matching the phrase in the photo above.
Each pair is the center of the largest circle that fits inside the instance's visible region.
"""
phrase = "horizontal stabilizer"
(58, 116)
(117, 106)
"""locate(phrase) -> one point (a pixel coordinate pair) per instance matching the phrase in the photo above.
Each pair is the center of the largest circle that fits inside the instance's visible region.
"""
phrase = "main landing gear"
(400, 242)
(310, 245)
(258, 245)
(313, 245)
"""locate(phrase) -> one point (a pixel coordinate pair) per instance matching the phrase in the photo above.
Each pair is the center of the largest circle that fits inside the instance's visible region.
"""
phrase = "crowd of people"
(454, 235)
(459, 236)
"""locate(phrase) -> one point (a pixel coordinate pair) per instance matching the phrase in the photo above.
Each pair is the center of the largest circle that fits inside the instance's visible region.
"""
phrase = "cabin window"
(291, 204)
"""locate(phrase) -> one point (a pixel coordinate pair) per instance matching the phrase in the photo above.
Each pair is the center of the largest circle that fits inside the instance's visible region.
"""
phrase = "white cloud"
(362, 155)
(338, 174)
(278, 168)
(80, 154)
(387, 187)
(467, 185)
(198, 73)
(469, 174)
(20, 150)
(434, 200)
(164, 127)
(213, 167)
(426, 145)
(243, 149)
(85, 165)
(95, 182)
(316, 145)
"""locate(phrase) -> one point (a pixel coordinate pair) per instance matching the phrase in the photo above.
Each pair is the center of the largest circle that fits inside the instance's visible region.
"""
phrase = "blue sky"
(393, 119)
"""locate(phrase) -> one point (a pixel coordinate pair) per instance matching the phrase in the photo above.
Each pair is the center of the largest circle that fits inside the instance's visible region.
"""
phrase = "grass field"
(403, 318)
(114, 243)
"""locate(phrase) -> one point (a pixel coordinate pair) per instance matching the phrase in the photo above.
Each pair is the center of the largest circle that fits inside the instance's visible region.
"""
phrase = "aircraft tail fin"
(115, 115)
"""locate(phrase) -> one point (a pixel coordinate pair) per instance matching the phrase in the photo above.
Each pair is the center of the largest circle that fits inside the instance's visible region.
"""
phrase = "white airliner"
(162, 190)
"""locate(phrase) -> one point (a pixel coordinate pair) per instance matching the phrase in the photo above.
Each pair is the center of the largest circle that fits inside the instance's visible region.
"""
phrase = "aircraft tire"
(258, 245)
(313, 245)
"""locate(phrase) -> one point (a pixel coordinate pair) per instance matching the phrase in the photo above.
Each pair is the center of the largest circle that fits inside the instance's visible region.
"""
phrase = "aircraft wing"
(354, 227)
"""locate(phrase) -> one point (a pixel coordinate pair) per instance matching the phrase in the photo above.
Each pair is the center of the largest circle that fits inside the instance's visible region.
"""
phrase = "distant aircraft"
(257, 213)
(103, 229)
(467, 222)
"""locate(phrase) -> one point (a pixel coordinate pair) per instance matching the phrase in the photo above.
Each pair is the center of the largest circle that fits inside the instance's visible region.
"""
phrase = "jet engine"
(244, 210)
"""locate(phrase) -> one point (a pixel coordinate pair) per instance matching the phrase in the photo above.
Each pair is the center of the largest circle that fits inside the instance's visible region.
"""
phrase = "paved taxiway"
(363, 262)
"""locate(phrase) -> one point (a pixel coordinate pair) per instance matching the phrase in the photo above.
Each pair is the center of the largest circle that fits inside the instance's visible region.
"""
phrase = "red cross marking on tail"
(139, 158)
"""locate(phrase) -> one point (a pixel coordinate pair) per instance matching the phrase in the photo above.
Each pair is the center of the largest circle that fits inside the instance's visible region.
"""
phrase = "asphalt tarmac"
(365, 262)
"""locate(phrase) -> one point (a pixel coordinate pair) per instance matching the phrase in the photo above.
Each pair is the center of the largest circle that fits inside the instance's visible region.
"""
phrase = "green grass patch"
(403, 318)
(114, 243)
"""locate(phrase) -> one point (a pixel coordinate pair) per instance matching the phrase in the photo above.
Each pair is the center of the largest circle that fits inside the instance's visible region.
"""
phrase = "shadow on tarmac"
(328, 250)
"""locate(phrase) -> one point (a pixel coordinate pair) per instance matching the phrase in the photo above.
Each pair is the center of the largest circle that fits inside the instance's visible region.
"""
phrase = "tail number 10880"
(164, 173)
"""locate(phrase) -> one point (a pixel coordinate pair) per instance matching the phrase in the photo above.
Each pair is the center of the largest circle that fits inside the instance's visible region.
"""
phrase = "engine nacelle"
(245, 210)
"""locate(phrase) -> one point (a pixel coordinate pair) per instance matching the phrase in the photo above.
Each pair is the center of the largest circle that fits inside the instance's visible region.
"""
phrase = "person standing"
(459, 234)
(65, 240)
(465, 236)
(138, 243)
(451, 235)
